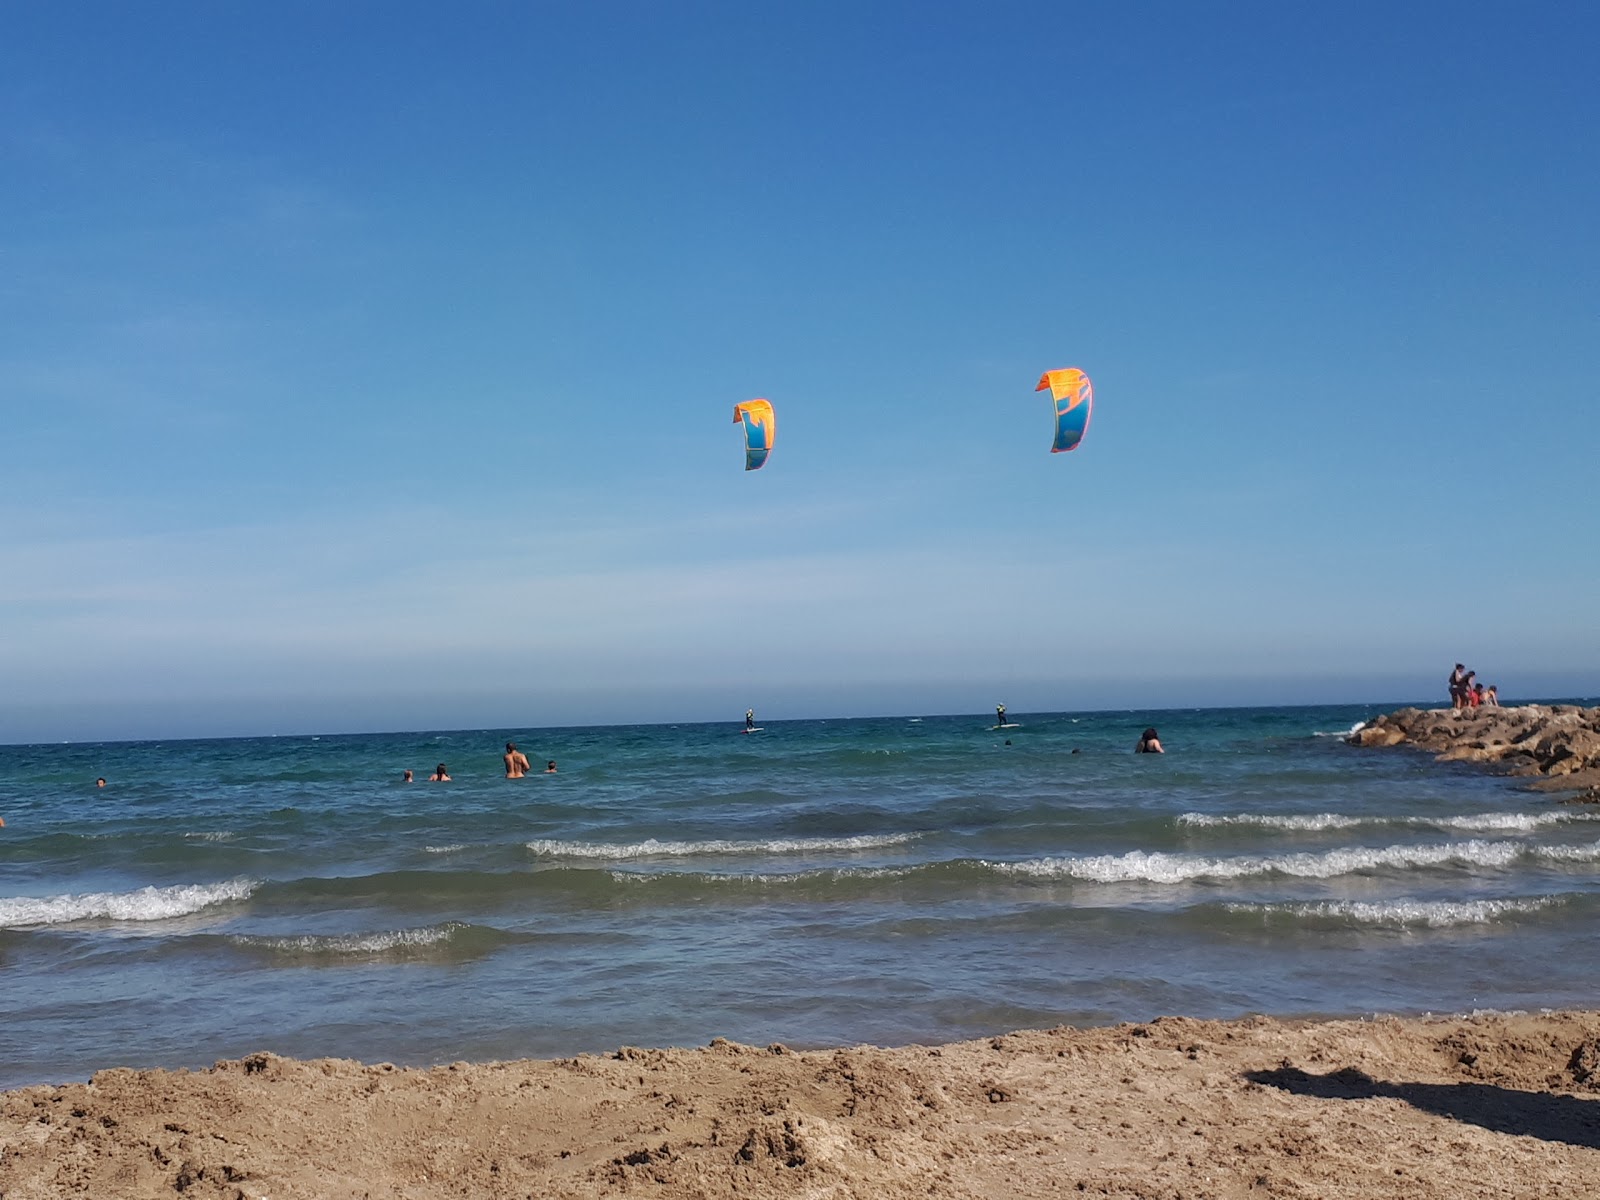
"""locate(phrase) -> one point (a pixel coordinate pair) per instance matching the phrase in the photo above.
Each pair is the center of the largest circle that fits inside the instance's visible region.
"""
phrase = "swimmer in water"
(440, 775)
(1149, 743)
(516, 762)
(550, 767)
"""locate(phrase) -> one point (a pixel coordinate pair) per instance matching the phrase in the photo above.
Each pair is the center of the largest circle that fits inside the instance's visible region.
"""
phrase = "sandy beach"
(1489, 1106)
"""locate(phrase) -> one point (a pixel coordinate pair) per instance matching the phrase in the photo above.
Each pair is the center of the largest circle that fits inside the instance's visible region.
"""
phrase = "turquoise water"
(885, 880)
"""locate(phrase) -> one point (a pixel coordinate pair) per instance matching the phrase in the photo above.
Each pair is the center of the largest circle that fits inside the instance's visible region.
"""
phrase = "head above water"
(511, 747)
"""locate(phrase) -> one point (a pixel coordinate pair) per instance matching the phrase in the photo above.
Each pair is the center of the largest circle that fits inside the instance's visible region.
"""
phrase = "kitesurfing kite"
(759, 428)
(1074, 397)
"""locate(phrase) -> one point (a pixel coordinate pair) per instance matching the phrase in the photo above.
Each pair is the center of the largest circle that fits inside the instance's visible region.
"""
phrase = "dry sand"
(1493, 1106)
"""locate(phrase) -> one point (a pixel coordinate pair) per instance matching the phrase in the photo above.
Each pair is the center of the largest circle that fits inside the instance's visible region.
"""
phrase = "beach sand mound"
(1491, 1106)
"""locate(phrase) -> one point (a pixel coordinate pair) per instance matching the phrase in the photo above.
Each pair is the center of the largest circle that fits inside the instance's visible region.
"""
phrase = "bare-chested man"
(516, 762)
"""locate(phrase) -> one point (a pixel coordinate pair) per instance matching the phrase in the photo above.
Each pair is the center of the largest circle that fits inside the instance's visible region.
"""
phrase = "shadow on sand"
(1504, 1110)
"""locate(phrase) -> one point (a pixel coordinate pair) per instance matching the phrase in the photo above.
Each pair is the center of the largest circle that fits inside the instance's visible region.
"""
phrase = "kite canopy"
(1074, 397)
(760, 425)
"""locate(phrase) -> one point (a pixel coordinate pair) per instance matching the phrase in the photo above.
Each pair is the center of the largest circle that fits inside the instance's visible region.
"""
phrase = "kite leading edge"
(759, 427)
(1074, 397)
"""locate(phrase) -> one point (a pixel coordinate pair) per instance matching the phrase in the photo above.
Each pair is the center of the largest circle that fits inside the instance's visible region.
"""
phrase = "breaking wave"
(143, 904)
(652, 848)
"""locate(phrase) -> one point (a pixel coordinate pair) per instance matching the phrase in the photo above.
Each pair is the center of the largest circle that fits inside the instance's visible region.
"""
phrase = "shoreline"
(1423, 1107)
(1555, 746)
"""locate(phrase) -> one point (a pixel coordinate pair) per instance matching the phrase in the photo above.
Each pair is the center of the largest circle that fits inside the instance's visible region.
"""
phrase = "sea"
(887, 880)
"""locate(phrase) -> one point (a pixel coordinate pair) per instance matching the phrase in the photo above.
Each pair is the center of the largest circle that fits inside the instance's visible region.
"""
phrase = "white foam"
(1491, 822)
(1341, 733)
(1435, 914)
(219, 835)
(356, 943)
(652, 848)
(770, 877)
(145, 904)
(452, 848)
(1181, 868)
(1569, 853)
(1313, 821)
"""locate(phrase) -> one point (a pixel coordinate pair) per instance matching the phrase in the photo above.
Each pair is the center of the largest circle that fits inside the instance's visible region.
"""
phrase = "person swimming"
(1149, 743)
(550, 767)
(516, 761)
(440, 775)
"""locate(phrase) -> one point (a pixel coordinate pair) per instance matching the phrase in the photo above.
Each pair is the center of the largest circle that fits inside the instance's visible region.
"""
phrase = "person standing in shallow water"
(1149, 743)
(516, 762)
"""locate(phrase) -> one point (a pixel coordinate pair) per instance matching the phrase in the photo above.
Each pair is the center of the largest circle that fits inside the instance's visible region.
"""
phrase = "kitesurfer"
(999, 714)
(749, 718)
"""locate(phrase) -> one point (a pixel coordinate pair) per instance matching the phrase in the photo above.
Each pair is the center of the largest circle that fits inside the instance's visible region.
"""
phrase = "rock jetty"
(1558, 743)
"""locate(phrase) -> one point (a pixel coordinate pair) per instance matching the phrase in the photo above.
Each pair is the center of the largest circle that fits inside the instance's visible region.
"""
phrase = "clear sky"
(372, 365)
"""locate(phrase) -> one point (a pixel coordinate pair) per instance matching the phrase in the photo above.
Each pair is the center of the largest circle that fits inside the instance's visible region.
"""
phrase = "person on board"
(999, 714)
(516, 762)
(749, 718)
(1149, 743)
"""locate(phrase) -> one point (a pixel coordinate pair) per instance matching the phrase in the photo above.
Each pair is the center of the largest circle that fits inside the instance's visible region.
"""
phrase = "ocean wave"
(143, 904)
(1491, 822)
(452, 848)
(1434, 914)
(764, 878)
(1140, 865)
(424, 942)
(652, 848)
(1309, 821)
(217, 835)
(1341, 733)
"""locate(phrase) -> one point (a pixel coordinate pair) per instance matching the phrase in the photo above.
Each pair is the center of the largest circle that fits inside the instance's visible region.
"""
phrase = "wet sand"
(1490, 1106)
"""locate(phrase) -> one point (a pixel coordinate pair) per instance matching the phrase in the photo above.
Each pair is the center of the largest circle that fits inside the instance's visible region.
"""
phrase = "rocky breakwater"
(1559, 744)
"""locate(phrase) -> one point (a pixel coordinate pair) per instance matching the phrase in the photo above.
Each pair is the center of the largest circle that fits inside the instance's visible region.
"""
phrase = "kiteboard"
(1008, 725)
(753, 729)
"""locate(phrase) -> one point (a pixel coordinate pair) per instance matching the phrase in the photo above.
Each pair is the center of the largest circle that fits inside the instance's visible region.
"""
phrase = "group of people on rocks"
(1466, 692)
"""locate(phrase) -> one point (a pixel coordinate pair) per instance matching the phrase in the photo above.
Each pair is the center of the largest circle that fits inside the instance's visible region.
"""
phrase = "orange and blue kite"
(1074, 397)
(760, 426)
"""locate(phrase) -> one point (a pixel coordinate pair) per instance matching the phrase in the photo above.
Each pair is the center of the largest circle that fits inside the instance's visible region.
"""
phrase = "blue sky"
(372, 366)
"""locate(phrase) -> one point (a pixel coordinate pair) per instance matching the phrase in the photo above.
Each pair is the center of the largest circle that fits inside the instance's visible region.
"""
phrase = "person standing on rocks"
(1456, 679)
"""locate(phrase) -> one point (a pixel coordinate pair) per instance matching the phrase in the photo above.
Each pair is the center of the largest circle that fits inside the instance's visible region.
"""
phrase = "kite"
(760, 425)
(1074, 397)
